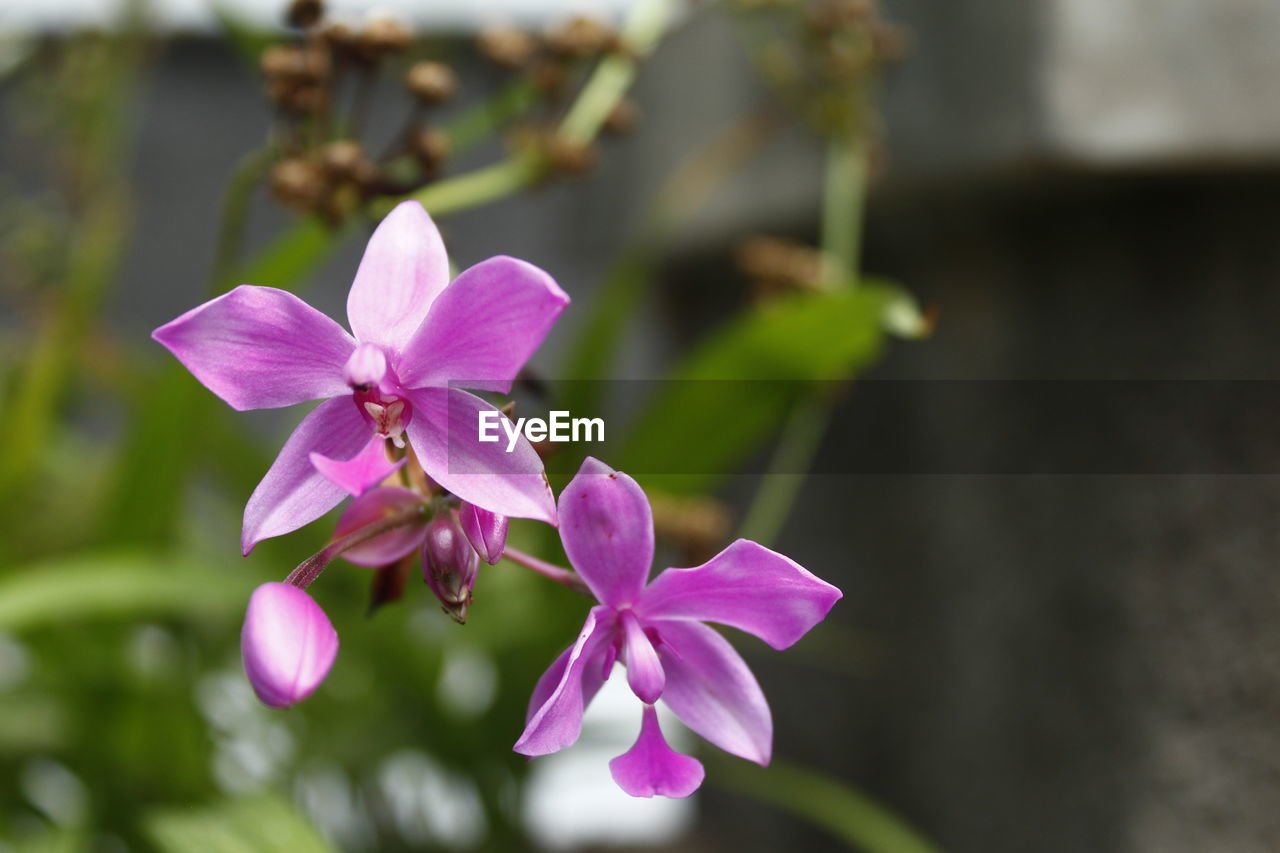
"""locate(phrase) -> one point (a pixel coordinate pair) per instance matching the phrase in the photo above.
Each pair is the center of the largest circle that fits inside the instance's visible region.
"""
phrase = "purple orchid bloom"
(415, 333)
(657, 631)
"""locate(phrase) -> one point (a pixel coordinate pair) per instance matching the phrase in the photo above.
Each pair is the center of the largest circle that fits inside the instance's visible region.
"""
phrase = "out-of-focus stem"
(311, 568)
(843, 202)
(564, 577)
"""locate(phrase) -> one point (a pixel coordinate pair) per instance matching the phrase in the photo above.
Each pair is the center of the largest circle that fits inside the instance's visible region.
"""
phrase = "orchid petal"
(363, 471)
(374, 506)
(260, 348)
(293, 492)
(607, 529)
(713, 692)
(557, 722)
(483, 327)
(404, 269)
(652, 767)
(486, 531)
(287, 644)
(746, 586)
(644, 670)
(444, 434)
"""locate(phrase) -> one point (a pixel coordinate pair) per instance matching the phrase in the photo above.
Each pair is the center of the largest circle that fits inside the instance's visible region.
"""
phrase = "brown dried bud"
(341, 38)
(776, 265)
(342, 159)
(304, 13)
(506, 47)
(290, 63)
(550, 78)
(572, 158)
(297, 183)
(580, 37)
(383, 36)
(699, 525)
(431, 147)
(622, 118)
(432, 82)
(305, 100)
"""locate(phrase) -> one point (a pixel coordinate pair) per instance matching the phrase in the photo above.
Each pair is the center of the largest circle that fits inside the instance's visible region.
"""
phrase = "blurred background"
(1043, 655)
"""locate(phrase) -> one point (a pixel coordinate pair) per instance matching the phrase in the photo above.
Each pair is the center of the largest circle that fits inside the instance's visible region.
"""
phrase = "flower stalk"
(312, 567)
(564, 577)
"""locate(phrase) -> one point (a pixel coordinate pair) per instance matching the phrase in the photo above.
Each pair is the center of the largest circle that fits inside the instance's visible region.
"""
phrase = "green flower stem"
(564, 577)
(843, 203)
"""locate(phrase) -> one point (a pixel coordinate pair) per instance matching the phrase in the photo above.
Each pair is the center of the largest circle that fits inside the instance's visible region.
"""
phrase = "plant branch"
(564, 577)
(311, 568)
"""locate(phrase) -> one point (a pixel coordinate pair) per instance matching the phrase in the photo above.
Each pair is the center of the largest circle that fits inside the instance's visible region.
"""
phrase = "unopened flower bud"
(486, 531)
(304, 13)
(449, 565)
(287, 644)
(506, 47)
(432, 82)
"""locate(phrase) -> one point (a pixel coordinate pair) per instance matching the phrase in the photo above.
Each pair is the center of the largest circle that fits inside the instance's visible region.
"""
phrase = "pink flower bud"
(449, 565)
(287, 644)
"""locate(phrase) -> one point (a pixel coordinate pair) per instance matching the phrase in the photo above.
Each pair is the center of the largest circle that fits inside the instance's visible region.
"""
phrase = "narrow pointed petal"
(287, 644)
(374, 506)
(558, 721)
(483, 327)
(260, 348)
(607, 528)
(404, 269)
(361, 472)
(486, 531)
(746, 586)
(644, 670)
(652, 767)
(293, 492)
(714, 693)
(595, 672)
(444, 433)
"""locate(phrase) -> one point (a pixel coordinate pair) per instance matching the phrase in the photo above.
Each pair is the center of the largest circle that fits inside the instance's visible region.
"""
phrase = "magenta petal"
(260, 348)
(644, 670)
(374, 506)
(652, 767)
(293, 492)
(287, 644)
(594, 674)
(405, 267)
(607, 528)
(444, 434)
(746, 586)
(558, 721)
(363, 471)
(711, 689)
(483, 327)
(486, 531)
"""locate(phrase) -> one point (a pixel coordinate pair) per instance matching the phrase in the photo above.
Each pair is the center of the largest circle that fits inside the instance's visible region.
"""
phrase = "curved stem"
(564, 577)
(312, 567)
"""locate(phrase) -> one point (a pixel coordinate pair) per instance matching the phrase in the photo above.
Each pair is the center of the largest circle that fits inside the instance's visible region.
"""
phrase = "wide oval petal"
(260, 348)
(607, 529)
(557, 722)
(652, 767)
(444, 434)
(746, 586)
(294, 492)
(371, 507)
(713, 692)
(287, 644)
(483, 327)
(404, 268)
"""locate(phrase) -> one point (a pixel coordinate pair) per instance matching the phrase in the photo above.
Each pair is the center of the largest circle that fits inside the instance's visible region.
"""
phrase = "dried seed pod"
(342, 158)
(432, 82)
(550, 78)
(297, 183)
(382, 36)
(506, 47)
(304, 13)
(571, 158)
(622, 118)
(579, 37)
(431, 147)
(290, 63)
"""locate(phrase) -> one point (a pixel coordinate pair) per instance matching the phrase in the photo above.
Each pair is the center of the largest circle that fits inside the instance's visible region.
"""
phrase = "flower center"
(388, 414)
(366, 367)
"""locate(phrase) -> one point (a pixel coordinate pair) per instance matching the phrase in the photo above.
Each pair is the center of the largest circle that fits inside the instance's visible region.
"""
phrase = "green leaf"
(263, 825)
(843, 811)
(114, 585)
(731, 393)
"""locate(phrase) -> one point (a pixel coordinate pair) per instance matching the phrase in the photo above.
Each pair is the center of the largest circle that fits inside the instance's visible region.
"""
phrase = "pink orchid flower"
(657, 631)
(416, 334)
